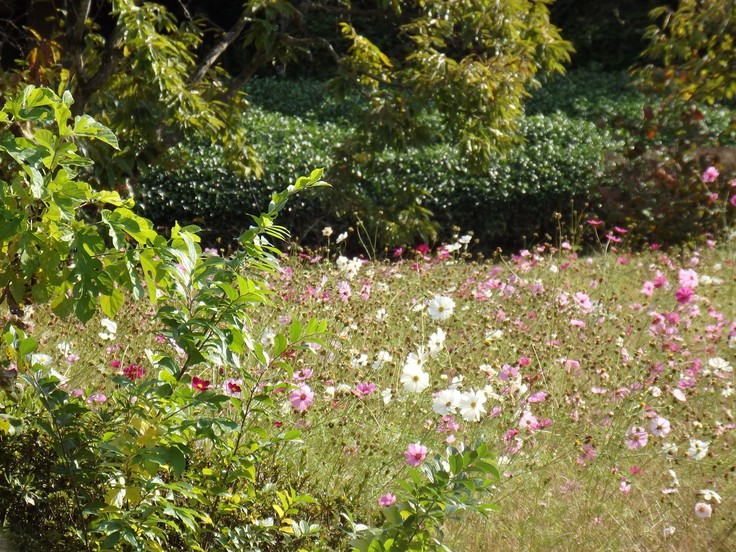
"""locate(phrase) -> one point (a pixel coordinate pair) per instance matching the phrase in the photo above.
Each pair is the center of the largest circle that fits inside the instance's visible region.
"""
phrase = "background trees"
(153, 71)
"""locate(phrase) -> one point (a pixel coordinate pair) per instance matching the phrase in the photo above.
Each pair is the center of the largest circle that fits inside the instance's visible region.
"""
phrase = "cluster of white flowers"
(468, 404)
(349, 267)
(359, 361)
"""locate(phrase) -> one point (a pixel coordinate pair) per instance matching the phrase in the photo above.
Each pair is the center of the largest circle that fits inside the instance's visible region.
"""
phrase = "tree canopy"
(157, 73)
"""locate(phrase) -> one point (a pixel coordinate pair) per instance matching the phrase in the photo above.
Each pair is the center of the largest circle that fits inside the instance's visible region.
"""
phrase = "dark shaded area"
(609, 34)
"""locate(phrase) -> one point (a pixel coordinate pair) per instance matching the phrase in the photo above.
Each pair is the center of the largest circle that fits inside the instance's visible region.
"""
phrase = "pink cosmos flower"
(588, 454)
(201, 384)
(301, 398)
(647, 288)
(365, 389)
(422, 249)
(537, 397)
(688, 278)
(386, 500)
(684, 295)
(595, 223)
(732, 201)
(710, 174)
(637, 438)
(134, 372)
(96, 398)
(415, 454)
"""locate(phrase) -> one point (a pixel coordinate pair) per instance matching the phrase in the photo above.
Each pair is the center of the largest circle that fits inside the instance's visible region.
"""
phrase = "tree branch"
(217, 50)
(89, 85)
(244, 76)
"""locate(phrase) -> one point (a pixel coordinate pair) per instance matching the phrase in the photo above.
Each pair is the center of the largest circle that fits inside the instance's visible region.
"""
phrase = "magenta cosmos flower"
(386, 500)
(232, 387)
(201, 384)
(684, 294)
(301, 398)
(415, 454)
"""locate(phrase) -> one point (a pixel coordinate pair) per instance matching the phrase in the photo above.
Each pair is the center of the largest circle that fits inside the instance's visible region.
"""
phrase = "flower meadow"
(603, 390)
(158, 396)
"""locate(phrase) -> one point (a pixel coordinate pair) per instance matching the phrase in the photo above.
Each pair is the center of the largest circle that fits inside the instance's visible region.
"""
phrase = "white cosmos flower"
(471, 405)
(342, 237)
(387, 394)
(440, 307)
(698, 449)
(414, 360)
(359, 361)
(382, 357)
(40, 358)
(111, 328)
(414, 379)
(720, 364)
(436, 341)
(709, 495)
(446, 401)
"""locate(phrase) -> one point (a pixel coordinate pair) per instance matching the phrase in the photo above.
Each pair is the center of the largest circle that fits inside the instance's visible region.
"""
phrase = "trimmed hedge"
(573, 126)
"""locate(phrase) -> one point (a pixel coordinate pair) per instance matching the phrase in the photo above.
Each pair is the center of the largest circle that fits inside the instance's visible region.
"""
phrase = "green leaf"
(84, 125)
(295, 330)
(112, 303)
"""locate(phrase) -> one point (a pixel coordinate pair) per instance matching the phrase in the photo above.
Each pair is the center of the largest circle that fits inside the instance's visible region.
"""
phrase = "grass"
(576, 334)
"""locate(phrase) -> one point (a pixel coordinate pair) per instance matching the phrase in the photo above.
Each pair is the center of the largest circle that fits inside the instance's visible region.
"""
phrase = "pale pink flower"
(301, 398)
(386, 500)
(637, 438)
(688, 278)
(96, 398)
(703, 510)
(538, 397)
(660, 427)
(647, 288)
(415, 454)
(624, 486)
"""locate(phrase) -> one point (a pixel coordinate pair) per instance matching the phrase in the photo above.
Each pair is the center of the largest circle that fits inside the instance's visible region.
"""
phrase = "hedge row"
(573, 125)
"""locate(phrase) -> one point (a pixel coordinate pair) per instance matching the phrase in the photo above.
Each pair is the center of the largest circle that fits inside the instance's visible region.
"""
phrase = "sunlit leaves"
(693, 52)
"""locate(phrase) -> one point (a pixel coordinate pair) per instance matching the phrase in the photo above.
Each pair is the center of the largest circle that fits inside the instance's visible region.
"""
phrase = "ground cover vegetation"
(170, 387)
